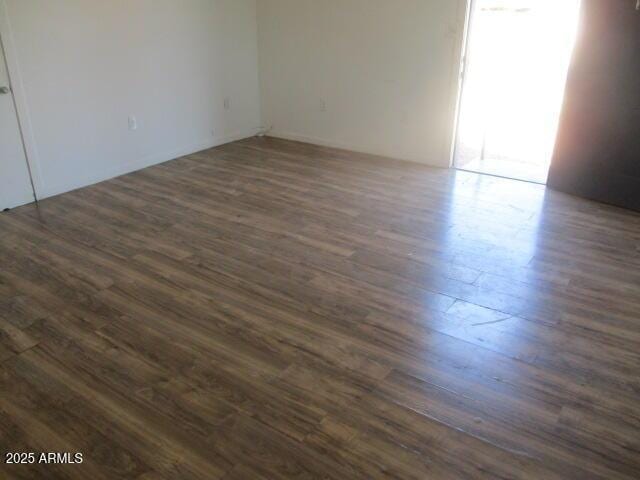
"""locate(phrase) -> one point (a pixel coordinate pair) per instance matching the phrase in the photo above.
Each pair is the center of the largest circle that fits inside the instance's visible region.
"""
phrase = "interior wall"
(83, 67)
(375, 76)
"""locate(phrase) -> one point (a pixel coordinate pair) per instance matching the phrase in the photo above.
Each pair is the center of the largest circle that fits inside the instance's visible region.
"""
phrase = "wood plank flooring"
(274, 310)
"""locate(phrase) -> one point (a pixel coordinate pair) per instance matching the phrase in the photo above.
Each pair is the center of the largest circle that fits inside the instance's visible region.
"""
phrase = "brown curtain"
(597, 153)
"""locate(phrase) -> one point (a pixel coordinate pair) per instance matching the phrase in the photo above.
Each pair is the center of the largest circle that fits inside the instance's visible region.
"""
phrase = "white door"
(15, 181)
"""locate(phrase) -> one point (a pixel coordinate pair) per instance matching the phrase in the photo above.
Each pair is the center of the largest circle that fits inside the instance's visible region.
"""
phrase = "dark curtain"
(597, 153)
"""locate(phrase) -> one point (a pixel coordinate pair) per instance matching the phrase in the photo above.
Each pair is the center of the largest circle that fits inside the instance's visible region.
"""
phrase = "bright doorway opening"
(516, 62)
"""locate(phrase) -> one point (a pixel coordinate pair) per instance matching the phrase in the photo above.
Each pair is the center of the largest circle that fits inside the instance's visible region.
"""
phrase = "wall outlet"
(227, 103)
(133, 122)
(323, 106)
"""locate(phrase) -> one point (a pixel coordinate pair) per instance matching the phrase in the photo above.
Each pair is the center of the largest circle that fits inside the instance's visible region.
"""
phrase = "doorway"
(515, 69)
(15, 178)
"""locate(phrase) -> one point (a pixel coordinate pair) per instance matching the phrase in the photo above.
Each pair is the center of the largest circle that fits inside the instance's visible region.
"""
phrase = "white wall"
(387, 71)
(81, 67)
(377, 76)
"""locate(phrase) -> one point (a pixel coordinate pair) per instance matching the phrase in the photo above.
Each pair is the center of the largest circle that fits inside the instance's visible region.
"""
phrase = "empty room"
(319, 239)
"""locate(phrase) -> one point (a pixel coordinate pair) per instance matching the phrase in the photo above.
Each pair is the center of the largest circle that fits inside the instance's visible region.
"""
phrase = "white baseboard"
(319, 141)
(141, 163)
(346, 146)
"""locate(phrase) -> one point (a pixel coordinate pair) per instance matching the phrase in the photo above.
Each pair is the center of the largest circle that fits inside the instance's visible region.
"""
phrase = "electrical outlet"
(133, 122)
(323, 106)
(227, 103)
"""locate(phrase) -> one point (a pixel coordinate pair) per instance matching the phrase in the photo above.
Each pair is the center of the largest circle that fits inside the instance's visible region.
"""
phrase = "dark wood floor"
(271, 310)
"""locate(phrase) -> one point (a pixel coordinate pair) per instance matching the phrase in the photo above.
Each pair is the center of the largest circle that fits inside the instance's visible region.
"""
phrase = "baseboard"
(141, 163)
(320, 142)
(346, 146)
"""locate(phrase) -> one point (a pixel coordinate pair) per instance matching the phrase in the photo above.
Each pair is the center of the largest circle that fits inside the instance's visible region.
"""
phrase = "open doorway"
(516, 63)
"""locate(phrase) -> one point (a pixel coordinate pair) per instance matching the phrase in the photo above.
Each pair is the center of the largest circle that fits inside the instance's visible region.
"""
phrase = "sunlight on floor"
(517, 61)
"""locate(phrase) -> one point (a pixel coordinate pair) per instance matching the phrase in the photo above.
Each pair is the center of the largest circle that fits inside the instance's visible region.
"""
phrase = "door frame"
(466, 42)
(466, 38)
(7, 45)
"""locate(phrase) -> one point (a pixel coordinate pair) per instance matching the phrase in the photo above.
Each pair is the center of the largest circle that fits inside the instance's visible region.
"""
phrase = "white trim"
(144, 162)
(318, 141)
(458, 78)
(346, 146)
